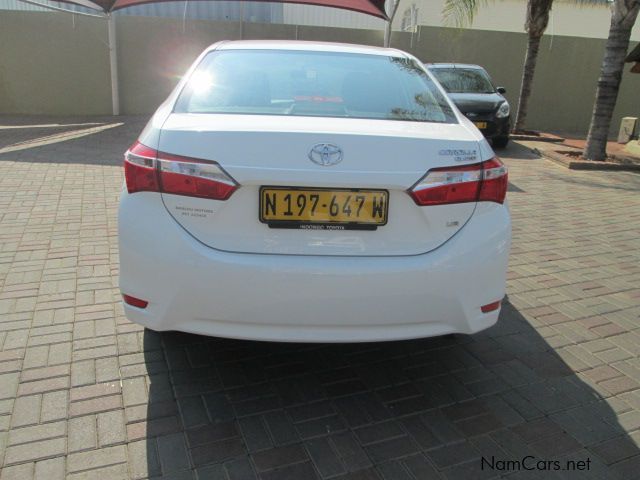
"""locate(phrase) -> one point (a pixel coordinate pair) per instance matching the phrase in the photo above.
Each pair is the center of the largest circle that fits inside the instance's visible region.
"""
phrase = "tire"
(500, 142)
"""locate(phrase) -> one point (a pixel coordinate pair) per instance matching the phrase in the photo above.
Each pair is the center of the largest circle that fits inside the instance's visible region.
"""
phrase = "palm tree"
(463, 11)
(535, 26)
(623, 17)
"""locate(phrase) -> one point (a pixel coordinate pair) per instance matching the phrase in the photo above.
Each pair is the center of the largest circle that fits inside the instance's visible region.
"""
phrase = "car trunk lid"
(261, 150)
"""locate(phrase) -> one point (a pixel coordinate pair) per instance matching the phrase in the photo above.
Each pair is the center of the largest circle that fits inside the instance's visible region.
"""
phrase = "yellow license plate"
(319, 208)
(481, 125)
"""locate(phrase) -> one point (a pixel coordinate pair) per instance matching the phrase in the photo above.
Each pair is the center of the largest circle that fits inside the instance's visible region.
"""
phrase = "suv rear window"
(303, 83)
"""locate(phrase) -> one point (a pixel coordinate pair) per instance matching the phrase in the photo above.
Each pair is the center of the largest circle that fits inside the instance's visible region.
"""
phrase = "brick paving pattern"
(84, 394)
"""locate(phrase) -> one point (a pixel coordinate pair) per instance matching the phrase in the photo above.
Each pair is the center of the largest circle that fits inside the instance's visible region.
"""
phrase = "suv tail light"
(147, 170)
(481, 182)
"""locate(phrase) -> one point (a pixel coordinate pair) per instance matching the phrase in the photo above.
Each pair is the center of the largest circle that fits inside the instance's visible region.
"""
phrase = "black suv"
(471, 89)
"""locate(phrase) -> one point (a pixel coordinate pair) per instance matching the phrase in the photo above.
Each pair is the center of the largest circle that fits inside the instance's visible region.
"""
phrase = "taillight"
(480, 182)
(147, 170)
(194, 178)
(140, 169)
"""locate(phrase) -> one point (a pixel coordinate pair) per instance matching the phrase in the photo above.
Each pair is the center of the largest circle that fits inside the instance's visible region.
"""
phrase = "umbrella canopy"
(369, 7)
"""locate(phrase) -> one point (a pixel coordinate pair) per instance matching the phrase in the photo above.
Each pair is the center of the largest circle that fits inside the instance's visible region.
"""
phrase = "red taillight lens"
(134, 302)
(480, 182)
(140, 169)
(193, 178)
(495, 181)
(147, 170)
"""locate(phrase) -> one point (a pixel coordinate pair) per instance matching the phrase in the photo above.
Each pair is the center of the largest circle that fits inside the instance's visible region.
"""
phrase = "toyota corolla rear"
(295, 191)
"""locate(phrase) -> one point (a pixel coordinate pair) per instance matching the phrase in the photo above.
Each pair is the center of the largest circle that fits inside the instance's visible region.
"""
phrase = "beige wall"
(52, 65)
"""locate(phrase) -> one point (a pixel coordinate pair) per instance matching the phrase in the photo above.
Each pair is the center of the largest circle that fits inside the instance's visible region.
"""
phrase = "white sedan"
(312, 192)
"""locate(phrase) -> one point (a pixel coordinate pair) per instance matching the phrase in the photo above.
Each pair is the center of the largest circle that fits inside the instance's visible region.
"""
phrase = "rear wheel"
(500, 142)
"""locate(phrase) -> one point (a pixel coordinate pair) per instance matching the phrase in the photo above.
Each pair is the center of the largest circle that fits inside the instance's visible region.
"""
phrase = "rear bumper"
(197, 289)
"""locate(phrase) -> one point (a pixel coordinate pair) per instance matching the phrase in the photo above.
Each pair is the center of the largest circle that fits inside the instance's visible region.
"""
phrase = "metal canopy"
(369, 7)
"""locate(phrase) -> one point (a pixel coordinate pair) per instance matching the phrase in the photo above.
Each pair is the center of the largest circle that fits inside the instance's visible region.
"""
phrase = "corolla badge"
(459, 155)
(325, 154)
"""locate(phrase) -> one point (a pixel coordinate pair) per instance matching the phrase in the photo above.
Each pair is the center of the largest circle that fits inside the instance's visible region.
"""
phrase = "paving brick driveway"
(86, 394)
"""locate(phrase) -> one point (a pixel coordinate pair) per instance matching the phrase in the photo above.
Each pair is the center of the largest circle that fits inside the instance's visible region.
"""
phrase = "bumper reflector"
(490, 307)
(134, 302)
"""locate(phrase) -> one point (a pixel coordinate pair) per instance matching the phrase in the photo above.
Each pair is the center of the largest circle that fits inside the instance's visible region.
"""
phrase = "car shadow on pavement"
(498, 403)
(517, 151)
(89, 140)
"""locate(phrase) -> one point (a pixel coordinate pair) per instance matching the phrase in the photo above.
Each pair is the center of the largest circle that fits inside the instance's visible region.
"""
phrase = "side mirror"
(501, 90)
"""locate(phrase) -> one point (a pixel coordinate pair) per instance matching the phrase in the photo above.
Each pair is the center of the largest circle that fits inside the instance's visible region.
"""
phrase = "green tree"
(623, 18)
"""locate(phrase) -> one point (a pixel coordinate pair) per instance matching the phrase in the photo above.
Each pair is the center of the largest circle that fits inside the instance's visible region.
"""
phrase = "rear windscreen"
(302, 83)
